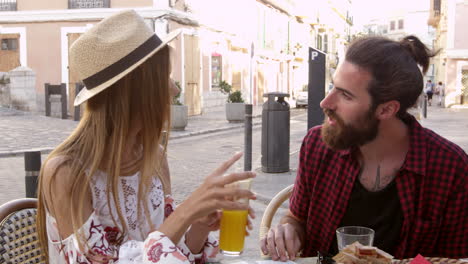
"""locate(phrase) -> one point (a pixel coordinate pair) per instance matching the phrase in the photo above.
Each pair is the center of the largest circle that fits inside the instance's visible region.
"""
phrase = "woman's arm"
(198, 233)
(60, 200)
(204, 201)
(196, 237)
(99, 240)
(176, 223)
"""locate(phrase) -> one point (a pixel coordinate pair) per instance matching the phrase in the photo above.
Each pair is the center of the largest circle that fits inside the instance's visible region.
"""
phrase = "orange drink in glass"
(232, 232)
(233, 222)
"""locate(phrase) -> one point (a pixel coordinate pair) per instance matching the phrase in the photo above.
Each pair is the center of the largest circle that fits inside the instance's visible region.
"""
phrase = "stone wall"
(23, 89)
(4, 89)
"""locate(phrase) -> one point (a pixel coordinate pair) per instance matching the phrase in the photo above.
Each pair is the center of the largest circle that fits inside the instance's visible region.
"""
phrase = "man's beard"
(344, 136)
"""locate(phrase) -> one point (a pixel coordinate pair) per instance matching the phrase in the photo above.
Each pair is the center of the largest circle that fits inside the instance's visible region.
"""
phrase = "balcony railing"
(7, 5)
(80, 4)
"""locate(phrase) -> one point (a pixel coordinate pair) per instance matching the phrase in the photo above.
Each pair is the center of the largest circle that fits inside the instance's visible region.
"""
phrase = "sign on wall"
(316, 87)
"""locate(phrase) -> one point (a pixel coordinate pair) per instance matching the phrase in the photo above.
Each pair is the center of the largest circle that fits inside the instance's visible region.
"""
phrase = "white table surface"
(244, 260)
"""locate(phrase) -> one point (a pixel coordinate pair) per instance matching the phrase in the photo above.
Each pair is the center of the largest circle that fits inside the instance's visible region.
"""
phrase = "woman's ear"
(387, 110)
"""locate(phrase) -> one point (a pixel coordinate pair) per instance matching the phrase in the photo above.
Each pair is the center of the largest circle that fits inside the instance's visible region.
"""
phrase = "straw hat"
(111, 49)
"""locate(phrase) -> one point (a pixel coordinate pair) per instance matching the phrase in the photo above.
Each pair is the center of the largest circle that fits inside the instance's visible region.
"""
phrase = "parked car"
(302, 99)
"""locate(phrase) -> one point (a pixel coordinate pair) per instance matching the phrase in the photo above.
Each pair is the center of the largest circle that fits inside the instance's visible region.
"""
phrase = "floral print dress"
(140, 245)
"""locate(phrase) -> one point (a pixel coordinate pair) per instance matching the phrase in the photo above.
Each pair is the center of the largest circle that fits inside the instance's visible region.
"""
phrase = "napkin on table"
(419, 260)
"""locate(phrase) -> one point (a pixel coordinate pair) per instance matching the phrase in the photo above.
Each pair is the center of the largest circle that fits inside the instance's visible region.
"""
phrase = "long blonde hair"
(99, 140)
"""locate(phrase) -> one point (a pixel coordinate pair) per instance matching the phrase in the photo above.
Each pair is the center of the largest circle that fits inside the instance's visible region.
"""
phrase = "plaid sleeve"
(299, 200)
(453, 239)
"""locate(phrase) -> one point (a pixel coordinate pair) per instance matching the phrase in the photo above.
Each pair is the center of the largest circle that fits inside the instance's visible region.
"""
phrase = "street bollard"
(32, 166)
(424, 108)
(248, 138)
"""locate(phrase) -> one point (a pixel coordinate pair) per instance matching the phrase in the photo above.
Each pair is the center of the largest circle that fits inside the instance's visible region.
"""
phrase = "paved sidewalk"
(24, 131)
(451, 123)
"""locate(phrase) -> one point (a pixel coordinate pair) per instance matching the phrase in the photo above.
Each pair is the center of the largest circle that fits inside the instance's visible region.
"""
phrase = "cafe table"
(313, 260)
(259, 260)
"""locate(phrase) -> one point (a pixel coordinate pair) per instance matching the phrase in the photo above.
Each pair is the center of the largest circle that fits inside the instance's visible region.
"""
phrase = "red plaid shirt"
(432, 187)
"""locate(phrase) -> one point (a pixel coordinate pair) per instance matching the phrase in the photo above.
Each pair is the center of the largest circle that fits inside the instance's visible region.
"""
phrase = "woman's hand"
(212, 222)
(209, 223)
(212, 195)
(249, 222)
(196, 237)
(203, 207)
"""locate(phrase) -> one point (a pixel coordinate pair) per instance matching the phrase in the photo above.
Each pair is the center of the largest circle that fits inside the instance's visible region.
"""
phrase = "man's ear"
(387, 110)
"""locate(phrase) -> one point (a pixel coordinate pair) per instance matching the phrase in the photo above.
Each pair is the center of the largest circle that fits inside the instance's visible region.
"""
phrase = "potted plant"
(235, 107)
(179, 112)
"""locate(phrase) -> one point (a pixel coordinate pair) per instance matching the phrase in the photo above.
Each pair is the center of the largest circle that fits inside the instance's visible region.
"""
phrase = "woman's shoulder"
(57, 161)
(56, 183)
(58, 169)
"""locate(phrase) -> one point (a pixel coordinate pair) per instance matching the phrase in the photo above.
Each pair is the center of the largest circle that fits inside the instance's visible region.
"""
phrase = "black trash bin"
(275, 133)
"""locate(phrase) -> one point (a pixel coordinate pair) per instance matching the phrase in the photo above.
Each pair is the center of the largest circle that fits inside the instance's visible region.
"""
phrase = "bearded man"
(372, 164)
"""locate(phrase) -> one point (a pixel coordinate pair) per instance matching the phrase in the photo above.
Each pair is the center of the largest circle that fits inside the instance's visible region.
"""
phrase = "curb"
(48, 149)
(15, 153)
(209, 131)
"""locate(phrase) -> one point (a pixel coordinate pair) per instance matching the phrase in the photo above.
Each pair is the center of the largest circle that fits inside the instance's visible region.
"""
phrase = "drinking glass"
(233, 222)
(347, 235)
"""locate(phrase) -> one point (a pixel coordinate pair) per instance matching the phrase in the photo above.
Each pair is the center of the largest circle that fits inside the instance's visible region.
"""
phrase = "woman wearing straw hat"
(104, 193)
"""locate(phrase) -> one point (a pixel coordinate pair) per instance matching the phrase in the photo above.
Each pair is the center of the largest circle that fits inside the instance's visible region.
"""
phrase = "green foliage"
(233, 97)
(176, 99)
(225, 87)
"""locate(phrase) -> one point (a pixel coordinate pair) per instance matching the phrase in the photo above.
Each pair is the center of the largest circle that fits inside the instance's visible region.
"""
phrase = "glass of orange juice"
(233, 223)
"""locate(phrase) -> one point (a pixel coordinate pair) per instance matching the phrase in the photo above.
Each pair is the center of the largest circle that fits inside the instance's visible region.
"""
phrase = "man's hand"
(282, 243)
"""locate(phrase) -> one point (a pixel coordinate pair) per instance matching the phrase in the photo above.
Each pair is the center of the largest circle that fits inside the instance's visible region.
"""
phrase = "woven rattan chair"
(18, 237)
(271, 209)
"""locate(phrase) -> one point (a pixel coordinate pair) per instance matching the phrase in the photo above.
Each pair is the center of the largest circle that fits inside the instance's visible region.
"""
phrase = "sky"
(365, 10)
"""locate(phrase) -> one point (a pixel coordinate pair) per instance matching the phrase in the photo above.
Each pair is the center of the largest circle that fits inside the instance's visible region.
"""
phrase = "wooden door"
(9, 52)
(192, 74)
(72, 78)
(236, 80)
(260, 82)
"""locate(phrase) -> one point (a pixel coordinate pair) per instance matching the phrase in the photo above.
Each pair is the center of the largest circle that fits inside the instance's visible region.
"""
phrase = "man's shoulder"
(314, 136)
(314, 146)
(439, 144)
(431, 141)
